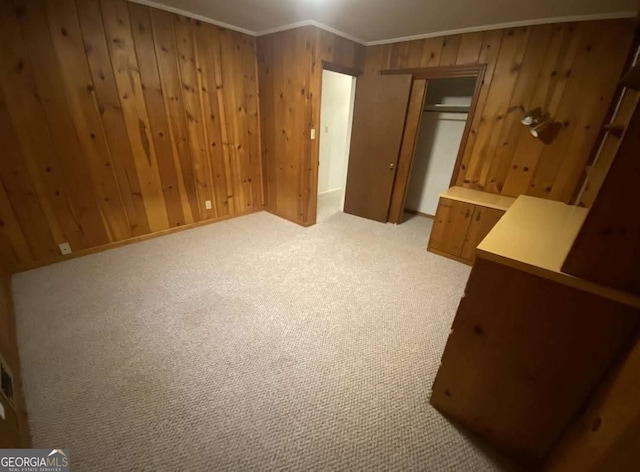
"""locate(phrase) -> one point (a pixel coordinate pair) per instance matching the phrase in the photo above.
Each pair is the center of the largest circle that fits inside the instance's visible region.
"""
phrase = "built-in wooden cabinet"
(530, 343)
(463, 218)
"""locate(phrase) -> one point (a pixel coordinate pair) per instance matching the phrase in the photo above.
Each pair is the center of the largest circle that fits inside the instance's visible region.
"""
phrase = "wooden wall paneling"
(250, 74)
(607, 435)
(553, 71)
(431, 52)
(28, 107)
(400, 58)
(236, 119)
(496, 107)
(377, 58)
(113, 121)
(176, 204)
(469, 50)
(87, 227)
(14, 429)
(541, 66)
(132, 99)
(306, 49)
(607, 52)
(118, 111)
(21, 198)
(285, 66)
(213, 115)
(529, 72)
(450, 47)
(167, 60)
(14, 249)
(266, 87)
(193, 113)
(407, 149)
(491, 42)
(67, 41)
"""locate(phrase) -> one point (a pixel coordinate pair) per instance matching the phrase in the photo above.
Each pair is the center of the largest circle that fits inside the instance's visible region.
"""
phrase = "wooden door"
(483, 221)
(450, 227)
(378, 122)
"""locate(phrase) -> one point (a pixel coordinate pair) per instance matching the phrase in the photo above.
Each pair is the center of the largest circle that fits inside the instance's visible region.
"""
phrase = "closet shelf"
(447, 108)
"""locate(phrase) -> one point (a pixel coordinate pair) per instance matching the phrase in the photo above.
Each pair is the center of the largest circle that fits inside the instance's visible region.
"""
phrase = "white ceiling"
(373, 21)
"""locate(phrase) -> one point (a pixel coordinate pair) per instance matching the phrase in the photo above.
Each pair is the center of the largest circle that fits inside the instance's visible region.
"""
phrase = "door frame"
(315, 158)
(414, 115)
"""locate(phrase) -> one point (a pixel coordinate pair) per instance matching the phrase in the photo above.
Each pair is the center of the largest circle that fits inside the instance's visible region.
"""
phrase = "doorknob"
(391, 166)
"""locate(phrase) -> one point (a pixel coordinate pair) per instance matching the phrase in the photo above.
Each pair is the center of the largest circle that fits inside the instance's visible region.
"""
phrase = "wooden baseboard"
(450, 256)
(125, 242)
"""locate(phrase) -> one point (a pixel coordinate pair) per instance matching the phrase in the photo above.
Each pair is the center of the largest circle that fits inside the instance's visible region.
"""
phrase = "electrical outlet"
(313, 133)
(65, 249)
(207, 204)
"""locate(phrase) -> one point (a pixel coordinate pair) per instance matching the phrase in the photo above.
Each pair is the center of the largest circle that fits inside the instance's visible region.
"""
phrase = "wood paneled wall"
(569, 70)
(118, 121)
(290, 65)
(14, 429)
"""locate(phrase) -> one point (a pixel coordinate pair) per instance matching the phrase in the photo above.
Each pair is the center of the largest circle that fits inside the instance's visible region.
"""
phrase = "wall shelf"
(632, 78)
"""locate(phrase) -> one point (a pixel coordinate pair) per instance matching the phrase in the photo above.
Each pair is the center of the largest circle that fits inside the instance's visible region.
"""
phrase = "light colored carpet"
(251, 344)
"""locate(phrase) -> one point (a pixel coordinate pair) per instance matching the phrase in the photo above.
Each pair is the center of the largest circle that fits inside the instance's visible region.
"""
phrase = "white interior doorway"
(336, 115)
(445, 113)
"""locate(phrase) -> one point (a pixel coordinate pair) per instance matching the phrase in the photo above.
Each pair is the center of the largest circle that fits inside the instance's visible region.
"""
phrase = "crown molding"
(194, 16)
(322, 26)
(511, 24)
(317, 24)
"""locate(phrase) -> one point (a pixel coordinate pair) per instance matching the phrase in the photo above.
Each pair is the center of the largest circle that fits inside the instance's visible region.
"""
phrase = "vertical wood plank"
(177, 207)
(128, 81)
(67, 41)
(112, 115)
(193, 113)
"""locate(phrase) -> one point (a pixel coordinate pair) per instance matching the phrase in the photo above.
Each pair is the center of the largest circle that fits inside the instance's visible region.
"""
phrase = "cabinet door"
(484, 219)
(450, 226)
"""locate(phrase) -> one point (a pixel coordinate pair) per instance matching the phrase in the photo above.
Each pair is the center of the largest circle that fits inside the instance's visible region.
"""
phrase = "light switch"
(2, 415)
(313, 133)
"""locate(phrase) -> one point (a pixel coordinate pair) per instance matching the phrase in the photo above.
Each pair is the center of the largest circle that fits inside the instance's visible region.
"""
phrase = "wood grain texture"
(375, 144)
(450, 226)
(482, 221)
(607, 435)
(567, 69)
(607, 249)
(290, 72)
(140, 117)
(526, 351)
(14, 429)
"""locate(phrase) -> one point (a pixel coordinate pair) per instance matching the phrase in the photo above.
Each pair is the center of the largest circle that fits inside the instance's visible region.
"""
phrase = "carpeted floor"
(251, 344)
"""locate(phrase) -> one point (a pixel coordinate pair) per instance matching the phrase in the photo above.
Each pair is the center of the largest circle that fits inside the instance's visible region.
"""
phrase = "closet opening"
(442, 125)
(336, 116)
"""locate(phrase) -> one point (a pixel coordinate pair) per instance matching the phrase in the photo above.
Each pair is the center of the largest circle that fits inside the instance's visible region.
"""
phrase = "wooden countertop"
(535, 236)
(476, 197)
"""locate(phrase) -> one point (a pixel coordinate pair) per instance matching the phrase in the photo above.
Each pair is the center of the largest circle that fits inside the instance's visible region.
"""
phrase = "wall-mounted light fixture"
(541, 125)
